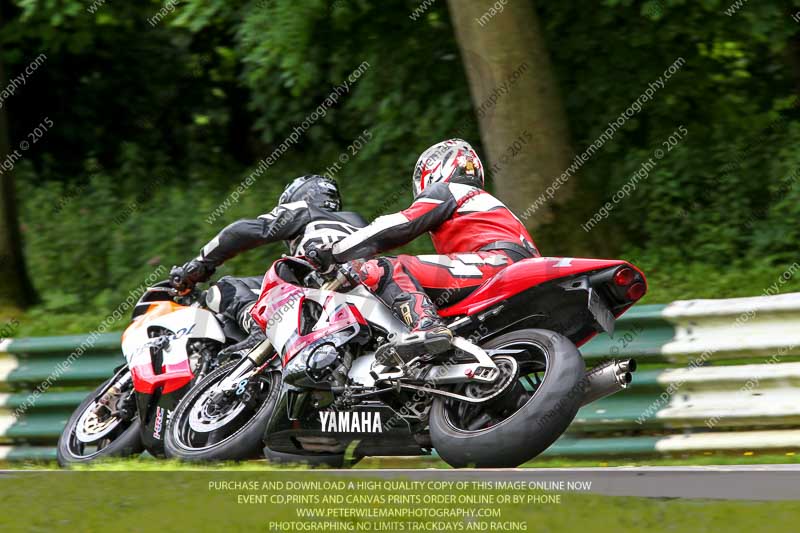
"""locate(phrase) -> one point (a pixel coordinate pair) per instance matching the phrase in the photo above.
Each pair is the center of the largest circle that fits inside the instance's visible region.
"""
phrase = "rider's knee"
(376, 273)
(230, 295)
(372, 272)
(214, 299)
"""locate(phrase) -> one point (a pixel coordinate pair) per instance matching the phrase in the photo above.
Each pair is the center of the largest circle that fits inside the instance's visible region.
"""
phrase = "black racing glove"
(183, 278)
(320, 256)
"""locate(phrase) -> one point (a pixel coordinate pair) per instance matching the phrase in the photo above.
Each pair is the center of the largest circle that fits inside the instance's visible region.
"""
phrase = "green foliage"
(726, 195)
(155, 124)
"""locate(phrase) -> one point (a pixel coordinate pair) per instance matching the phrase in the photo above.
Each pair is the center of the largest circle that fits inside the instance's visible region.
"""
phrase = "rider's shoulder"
(294, 206)
(286, 208)
(436, 191)
(462, 192)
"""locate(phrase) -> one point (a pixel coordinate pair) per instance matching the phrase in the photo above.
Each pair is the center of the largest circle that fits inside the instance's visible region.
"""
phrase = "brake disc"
(207, 415)
(92, 427)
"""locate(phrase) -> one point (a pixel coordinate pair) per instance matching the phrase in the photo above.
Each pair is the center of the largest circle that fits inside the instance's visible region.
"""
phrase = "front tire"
(510, 433)
(233, 431)
(93, 432)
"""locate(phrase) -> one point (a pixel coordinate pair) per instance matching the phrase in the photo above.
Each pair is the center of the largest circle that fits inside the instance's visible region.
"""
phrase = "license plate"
(601, 313)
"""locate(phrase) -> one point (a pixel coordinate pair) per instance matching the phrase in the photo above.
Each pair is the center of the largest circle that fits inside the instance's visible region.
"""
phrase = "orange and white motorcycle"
(171, 342)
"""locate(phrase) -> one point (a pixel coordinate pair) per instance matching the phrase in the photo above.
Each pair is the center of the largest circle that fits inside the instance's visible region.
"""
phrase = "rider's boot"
(255, 337)
(428, 335)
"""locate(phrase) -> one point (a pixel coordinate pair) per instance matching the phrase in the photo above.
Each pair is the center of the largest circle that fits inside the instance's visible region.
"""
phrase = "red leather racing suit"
(474, 234)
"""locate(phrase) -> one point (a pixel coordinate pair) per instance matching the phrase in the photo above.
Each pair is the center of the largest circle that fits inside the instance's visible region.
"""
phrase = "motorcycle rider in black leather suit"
(308, 211)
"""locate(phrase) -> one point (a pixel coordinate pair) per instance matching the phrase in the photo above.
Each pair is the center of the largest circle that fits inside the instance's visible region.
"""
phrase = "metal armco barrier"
(714, 375)
(28, 364)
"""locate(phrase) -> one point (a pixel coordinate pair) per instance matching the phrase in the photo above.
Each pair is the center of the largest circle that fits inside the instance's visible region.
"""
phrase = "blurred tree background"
(160, 110)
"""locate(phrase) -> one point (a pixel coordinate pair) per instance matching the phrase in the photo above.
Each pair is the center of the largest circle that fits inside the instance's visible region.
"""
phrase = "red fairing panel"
(524, 275)
(339, 319)
(271, 305)
(264, 308)
(173, 378)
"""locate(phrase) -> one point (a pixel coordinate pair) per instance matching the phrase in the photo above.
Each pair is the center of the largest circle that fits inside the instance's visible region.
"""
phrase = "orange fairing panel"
(155, 310)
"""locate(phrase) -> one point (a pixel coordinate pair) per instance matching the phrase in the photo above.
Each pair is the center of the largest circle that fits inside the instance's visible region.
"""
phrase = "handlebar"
(337, 277)
(188, 298)
(162, 291)
(342, 274)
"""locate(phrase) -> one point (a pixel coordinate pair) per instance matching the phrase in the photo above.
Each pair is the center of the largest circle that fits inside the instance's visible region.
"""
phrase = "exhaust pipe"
(608, 378)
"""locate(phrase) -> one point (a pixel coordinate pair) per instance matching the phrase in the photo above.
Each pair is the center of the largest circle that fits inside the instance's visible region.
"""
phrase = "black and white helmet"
(451, 161)
(315, 190)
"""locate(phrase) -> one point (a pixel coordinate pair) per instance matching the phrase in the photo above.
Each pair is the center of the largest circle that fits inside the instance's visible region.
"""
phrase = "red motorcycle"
(328, 377)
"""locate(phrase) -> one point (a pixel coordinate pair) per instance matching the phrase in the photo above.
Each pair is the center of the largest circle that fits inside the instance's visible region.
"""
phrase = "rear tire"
(534, 426)
(123, 441)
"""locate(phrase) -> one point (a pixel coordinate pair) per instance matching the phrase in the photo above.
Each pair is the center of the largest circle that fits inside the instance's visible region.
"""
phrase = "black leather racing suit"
(297, 223)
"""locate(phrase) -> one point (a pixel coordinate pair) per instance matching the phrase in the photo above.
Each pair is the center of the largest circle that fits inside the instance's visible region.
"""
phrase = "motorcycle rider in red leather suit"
(475, 236)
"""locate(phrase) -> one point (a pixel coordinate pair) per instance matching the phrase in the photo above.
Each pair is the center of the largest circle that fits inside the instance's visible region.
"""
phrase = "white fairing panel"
(283, 326)
(186, 324)
(370, 307)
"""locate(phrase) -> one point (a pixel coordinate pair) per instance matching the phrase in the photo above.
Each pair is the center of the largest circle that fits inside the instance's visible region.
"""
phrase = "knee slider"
(214, 299)
(372, 273)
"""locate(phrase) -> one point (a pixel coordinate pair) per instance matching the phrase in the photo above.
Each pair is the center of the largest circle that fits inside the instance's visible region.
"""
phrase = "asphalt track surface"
(730, 482)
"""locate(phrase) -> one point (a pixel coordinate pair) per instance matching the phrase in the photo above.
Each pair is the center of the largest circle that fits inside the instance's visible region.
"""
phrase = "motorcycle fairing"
(393, 434)
(343, 318)
(186, 324)
(524, 275)
(340, 311)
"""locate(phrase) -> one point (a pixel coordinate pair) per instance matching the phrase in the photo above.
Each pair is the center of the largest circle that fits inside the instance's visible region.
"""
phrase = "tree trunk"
(15, 286)
(521, 116)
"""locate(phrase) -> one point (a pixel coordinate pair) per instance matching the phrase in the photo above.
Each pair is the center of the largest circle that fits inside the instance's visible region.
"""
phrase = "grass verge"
(296, 501)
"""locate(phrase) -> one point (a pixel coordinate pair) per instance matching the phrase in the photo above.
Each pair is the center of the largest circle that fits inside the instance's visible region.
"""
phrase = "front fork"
(259, 356)
(247, 367)
(117, 382)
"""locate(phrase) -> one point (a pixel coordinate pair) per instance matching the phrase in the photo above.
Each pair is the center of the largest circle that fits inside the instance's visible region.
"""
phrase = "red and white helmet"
(450, 161)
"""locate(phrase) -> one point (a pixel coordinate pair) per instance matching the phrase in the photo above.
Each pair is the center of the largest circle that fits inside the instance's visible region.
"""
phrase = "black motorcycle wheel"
(527, 418)
(203, 428)
(115, 436)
